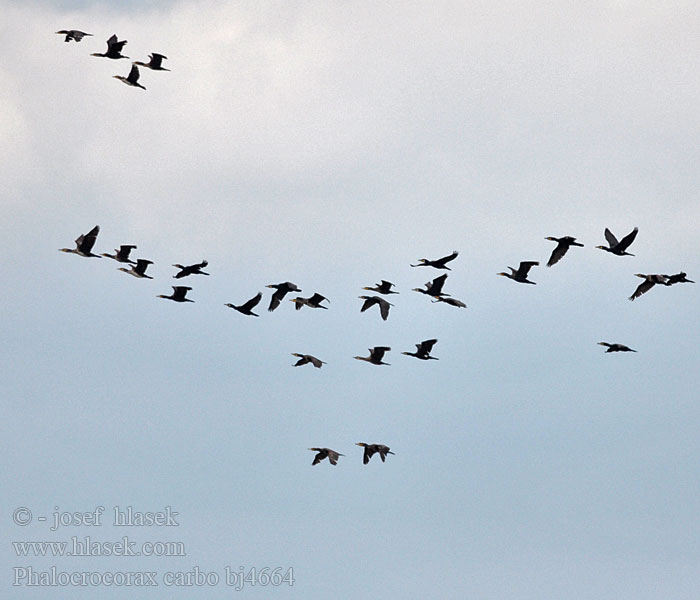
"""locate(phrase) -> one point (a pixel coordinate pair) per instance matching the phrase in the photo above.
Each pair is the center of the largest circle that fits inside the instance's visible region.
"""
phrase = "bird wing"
(124, 251)
(314, 361)
(316, 298)
(525, 266)
(643, 288)
(446, 259)
(86, 241)
(612, 240)
(435, 286)
(333, 457)
(367, 454)
(317, 459)
(253, 302)
(142, 265)
(377, 352)
(369, 301)
(426, 346)
(180, 291)
(134, 74)
(277, 297)
(557, 253)
(384, 308)
(627, 240)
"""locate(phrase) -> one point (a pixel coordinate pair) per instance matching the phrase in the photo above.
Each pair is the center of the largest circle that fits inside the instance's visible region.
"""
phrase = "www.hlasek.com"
(196, 577)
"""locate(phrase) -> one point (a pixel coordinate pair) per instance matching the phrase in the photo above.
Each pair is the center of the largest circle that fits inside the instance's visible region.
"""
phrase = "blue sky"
(333, 145)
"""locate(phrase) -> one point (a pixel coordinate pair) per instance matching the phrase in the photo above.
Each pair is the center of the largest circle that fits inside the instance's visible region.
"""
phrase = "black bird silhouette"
(649, 282)
(384, 287)
(305, 359)
(122, 255)
(132, 78)
(73, 34)
(423, 350)
(154, 63)
(375, 355)
(139, 270)
(190, 270)
(313, 302)
(434, 287)
(85, 243)
(178, 295)
(563, 244)
(114, 49)
(372, 300)
(677, 278)
(247, 307)
(520, 274)
(331, 455)
(282, 290)
(450, 301)
(372, 449)
(619, 248)
(616, 347)
(439, 263)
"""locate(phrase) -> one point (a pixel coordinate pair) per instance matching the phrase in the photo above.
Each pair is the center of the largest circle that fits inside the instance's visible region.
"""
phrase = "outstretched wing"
(627, 240)
(253, 302)
(612, 240)
(557, 254)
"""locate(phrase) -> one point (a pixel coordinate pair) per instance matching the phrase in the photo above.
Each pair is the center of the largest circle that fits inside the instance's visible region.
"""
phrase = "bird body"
(384, 287)
(139, 270)
(616, 247)
(154, 63)
(247, 307)
(305, 359)
(520, 274)
(114, 49)
(282, 289)
(372, 449)
(563, 245)
(331, 455)
(375, 355)
(190, 270)
(73, 34)
(179, 293)
(85, 243)
(423, 350)
(132, 78)
(438, 263)
(616, 347)
(372, 300)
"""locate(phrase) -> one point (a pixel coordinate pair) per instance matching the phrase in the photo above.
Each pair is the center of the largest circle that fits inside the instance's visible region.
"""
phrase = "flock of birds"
(85, 243)
(114, 51)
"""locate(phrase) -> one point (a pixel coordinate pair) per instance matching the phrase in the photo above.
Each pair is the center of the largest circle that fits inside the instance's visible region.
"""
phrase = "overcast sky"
(332, 144)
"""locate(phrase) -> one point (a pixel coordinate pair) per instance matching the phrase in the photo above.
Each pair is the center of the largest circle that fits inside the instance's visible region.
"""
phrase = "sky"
(333, 145)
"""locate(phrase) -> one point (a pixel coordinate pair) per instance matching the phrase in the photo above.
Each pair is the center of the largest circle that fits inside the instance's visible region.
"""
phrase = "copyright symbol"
(22, 516)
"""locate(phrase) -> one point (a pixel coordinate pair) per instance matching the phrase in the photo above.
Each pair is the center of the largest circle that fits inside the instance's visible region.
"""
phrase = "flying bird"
(122, 254)
(154, 63)
(520, 274)
(282, 290)
(247, 307)
(139, 270)
(375, 355)
(372, 449)
(450, 301)
(313, 302)
(616, 347)
(677, 278)
(384, 287)
(114, 49)
(619, 248)
(178, 295)
(190, 270)
(85, 243)
(434, 287)
(73, 34)
(649, 282)
(132, 78)
(563, 245)
(439, 263)
(372, 300)
(305, 359)
(423, 350)
(331, 455)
